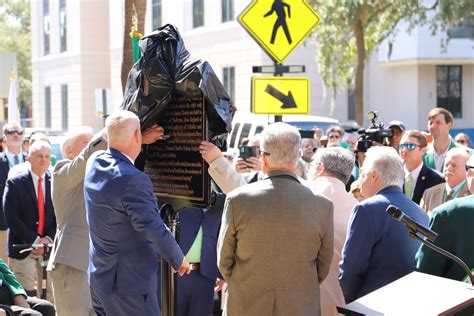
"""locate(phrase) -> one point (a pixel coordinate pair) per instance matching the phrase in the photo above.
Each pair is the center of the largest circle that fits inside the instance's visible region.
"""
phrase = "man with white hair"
(330, 171)
(455, 187)
(126, 232)
(30, 217)
(378, 249)
(277, 231)
(453, 221)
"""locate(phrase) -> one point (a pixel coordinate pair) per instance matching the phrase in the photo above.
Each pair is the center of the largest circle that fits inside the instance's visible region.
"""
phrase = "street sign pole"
(278, 118)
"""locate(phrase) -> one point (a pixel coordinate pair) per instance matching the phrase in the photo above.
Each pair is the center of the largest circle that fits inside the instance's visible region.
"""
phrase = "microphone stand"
(429, 244)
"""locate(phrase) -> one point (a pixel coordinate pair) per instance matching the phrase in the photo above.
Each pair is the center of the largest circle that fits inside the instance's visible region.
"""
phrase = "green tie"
(409, 186)
(194, 253)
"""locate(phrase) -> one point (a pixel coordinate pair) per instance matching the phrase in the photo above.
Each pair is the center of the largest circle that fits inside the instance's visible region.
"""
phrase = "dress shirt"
(438, 159)
(11, 158)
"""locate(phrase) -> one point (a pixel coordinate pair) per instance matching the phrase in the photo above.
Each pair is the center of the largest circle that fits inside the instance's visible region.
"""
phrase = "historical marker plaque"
(175, 166)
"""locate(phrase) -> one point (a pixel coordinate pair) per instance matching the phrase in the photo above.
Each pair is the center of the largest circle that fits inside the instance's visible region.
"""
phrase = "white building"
(404, 85)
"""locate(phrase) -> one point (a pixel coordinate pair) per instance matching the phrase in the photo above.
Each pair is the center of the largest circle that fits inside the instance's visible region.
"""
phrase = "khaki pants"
(29, 272)
(3, 245)
(71, 291)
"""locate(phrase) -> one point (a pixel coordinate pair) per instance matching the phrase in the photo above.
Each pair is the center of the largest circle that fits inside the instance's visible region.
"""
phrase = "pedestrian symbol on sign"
(278, 7)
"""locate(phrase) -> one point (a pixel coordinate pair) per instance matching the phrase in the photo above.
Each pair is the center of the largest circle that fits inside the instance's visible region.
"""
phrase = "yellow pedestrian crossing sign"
(279, 26)
(280, 95)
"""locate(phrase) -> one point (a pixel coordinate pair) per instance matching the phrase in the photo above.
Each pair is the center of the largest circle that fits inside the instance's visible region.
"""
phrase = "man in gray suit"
(276, 240)
(70, 254)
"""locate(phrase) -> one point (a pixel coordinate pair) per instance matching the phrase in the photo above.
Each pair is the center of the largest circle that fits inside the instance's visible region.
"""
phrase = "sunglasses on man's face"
(469, 168)
(409, 146)
(14, 132)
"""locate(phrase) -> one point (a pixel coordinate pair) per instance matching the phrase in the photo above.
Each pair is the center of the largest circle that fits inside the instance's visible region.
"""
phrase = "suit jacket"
(21, 211)
(435, 196)
(71, 245)
(334, 189)
(191, 219)
(275, 247)
(4, 169)
(427, 178)
(378, 249)
(453, 221)
(126, 230)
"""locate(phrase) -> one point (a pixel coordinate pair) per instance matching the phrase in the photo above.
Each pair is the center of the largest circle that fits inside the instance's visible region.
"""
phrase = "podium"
(416, 294)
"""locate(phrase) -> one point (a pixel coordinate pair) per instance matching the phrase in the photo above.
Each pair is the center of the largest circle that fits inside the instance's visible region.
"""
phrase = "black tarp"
(165, 70)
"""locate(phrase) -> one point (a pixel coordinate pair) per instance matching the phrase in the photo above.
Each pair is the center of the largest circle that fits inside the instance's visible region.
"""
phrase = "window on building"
(64, 106)
(62, 26)
(227, 10)
(463, 28)
(449, 89)
(229, 81)
(46, 26)
(47, 107)
(198, 13)
(156, 14)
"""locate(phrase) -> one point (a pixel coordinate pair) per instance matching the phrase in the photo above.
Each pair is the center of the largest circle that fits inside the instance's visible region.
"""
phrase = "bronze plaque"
(175, 166)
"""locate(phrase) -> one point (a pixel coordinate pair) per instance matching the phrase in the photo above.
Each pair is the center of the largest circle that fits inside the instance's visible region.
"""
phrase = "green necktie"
(409, 186)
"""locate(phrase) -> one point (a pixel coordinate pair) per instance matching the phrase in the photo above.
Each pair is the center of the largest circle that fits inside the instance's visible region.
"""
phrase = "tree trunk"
(359, 76)
(127, 61)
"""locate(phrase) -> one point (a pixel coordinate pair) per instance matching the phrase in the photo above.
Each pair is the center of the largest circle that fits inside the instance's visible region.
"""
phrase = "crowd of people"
(303, 228)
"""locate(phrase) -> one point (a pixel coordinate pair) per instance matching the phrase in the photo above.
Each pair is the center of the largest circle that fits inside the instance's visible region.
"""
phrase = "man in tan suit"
(330, 170)
(454, 171)
(276, 240)
(70, 254)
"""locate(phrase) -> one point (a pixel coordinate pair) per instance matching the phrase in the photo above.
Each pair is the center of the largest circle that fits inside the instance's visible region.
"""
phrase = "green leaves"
(15, 36)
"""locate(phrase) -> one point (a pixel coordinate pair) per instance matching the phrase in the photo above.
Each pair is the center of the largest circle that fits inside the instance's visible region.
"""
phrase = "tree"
(127, 61)
(15, 36)
(351, 29)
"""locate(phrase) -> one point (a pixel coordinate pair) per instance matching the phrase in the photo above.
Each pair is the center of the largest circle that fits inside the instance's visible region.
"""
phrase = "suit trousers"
(71, 291)
(29, 272)
(195, 295)
(133, 305)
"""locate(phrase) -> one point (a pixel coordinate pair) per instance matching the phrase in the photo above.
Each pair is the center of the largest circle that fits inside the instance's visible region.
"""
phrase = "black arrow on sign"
(287, 100)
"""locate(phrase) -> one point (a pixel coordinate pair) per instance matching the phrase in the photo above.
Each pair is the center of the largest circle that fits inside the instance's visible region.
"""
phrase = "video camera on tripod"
(374, 133)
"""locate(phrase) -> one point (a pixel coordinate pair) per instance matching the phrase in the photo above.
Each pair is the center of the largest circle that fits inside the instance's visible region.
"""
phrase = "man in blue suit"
(378, 249)
(199, 230)
(30, 216)
(127, 234)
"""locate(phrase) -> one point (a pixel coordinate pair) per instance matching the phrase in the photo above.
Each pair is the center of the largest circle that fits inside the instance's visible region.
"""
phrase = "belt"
(195, 266)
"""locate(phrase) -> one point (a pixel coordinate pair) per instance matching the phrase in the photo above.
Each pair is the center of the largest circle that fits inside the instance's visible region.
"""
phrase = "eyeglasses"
(409, 146)
(263, 152)
(461, 141)
(469, 167)
(333, 136)
(13, 132)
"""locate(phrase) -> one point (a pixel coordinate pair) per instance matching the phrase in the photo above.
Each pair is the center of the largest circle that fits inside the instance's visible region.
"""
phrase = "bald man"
(126, 232)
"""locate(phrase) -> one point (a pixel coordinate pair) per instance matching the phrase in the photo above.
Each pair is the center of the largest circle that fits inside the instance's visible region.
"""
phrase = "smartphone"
(246, 152)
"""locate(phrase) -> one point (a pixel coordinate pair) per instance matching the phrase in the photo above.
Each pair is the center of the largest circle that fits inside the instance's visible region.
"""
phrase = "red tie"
(40, 207)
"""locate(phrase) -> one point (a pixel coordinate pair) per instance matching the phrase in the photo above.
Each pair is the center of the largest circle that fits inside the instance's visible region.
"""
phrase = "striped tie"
(16, 160)
(40, 207)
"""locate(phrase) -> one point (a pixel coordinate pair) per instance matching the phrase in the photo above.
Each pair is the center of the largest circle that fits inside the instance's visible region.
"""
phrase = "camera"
(246, 152)
(374, 133)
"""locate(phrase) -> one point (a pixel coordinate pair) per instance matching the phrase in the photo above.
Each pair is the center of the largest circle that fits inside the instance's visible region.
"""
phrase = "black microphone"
(410, 223)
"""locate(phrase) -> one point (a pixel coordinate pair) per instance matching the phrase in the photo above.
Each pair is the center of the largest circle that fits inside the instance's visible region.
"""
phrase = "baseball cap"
(398, 124)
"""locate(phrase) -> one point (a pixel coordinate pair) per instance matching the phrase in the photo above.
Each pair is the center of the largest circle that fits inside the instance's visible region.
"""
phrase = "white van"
(248, 125)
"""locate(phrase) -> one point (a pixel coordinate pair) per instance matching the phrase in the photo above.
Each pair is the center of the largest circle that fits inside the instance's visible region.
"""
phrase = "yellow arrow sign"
(280, 95)
(279, 26)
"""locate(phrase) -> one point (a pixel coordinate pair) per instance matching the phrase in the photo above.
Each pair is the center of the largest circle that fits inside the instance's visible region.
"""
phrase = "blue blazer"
(4, 169)
(378, 249)
(21, 211)
(427, 178)
(126, 231)
(190, 220)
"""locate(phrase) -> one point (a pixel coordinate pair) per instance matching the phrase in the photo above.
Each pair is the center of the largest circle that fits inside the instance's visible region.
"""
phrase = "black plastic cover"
(166, 69)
